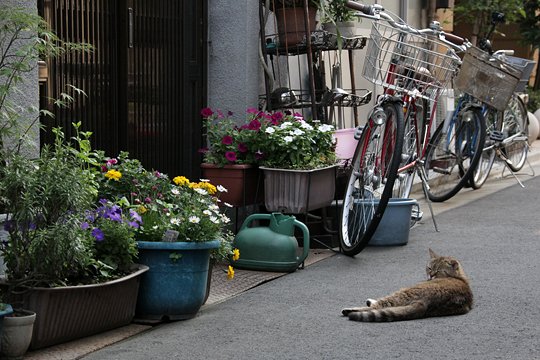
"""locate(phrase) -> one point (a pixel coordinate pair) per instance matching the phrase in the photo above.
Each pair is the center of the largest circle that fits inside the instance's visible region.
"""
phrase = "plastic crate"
(526, 67)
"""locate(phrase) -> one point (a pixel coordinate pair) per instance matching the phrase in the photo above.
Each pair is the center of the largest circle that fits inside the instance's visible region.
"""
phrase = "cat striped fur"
(446, 292)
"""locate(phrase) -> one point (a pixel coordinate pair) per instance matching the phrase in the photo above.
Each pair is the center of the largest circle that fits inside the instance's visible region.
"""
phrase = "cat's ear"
(454, 264)
(432, 254)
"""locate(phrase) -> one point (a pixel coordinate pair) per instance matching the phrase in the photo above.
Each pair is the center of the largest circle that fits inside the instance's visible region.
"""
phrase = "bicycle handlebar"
(366, 9)
(454, 39)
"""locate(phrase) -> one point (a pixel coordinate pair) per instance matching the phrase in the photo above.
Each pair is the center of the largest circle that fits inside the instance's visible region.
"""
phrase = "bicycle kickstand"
(425, 188)
(505, 161)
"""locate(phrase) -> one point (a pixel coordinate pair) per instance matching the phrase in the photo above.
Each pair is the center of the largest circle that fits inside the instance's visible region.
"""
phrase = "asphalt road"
(497, 239)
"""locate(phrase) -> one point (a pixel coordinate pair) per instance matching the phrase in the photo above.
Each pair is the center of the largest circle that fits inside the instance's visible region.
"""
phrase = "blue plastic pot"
(174, 287)
(395, 223)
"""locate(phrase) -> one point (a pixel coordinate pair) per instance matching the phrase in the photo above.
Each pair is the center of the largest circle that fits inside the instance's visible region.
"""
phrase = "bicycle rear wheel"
(369, 186)
(452, 154)
(515, 128)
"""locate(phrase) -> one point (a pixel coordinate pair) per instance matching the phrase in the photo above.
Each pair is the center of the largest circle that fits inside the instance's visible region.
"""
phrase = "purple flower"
(9, 225)
(98, 234)
(85, 225)
(135, 215)
(133, 224)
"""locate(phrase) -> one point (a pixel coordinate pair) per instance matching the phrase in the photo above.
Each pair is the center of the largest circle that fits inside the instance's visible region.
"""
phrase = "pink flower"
(227, 140)
(112, 162)
(206, 112)
(276, 118)
(230, 156)
(252, 111)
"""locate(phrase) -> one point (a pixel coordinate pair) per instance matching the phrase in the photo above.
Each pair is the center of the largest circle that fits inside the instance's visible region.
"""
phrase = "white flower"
(221, 188)
(228, 205)
(225, 219)
(194, 219)
(306, 125)
(214, 219)
(298, 132)
(207, 212)
(175, 221)
(326, 128)
(270, 130)
(285, 125)
(288, 139)
(214, 207)
(204, 180)
(201, 191)
(175, 191)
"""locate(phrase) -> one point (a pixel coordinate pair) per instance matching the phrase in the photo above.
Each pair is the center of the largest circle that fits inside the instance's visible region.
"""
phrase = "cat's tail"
(412, 311)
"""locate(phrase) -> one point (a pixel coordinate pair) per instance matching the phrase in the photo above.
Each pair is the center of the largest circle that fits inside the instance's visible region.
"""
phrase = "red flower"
(206, 112)
(227, 140)
(254, 125)
(242, 148)
(230, 156)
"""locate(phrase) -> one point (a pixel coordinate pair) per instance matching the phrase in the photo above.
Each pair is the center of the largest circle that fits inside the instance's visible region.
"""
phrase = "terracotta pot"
(243, 182)
(291, 24)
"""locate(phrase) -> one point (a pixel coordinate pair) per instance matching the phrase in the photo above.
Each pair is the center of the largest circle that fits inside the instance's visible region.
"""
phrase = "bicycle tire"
(452, 154)
(372, 175)
(515, 127)
(487, 158)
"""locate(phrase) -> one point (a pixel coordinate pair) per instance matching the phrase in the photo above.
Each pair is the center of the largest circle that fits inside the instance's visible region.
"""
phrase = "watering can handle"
(305, 233)
(254, 217)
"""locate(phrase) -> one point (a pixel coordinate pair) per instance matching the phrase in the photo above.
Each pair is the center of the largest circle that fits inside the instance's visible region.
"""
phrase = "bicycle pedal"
(496, 135)
(416, 215)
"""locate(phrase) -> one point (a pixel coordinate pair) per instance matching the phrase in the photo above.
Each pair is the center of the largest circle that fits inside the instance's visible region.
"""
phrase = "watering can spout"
(282, 224)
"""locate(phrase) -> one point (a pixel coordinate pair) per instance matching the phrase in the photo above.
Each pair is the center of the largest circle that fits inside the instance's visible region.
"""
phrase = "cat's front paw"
(371, 302)
(346, 311)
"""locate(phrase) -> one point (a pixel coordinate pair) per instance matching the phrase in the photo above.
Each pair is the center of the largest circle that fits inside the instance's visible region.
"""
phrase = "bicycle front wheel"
(452, 154)
(369, 186)
(487, 158)
(516, 130)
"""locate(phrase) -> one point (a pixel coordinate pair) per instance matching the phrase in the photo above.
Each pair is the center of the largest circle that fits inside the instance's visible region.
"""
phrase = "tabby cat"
(446, 292)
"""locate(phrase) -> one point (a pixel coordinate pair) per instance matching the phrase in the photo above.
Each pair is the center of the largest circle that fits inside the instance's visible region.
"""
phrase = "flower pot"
(17, 334)
(346, 29)
(241, 182)
(174, 287)
(3, 313)
(291, 24)
(71, 312)
(297, 191)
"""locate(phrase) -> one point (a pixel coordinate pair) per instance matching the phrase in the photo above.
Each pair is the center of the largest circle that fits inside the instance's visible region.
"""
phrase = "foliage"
(335, 11)
(529, 26)
(48, 200)
(534, 100)
(298, 144)
(24, 39)
(478, 13)
(274, 4)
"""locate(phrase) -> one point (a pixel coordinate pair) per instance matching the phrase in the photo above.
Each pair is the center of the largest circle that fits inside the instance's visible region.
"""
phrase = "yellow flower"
(236, 254)
(113, 175)
(208, 187)
(181, 180)
(142, 209)
(230, 273)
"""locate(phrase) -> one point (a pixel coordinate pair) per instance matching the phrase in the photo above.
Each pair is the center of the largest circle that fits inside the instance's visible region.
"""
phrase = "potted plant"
(298, 160)
(181, 228)
(64, 250)
(338, 18)
(291, 19)
(232, 155)
(17, 334)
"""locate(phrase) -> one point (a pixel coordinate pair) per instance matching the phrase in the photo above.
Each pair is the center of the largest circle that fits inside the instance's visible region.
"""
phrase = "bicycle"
(396, 61)
(506, 128)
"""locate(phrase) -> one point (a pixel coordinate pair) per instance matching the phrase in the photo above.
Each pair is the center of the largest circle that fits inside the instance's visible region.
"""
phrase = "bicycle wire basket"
(401, 61)
(487, 79)
(526, 66)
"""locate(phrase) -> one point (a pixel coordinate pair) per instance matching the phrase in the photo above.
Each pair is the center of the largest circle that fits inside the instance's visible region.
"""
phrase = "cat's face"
(443, 266)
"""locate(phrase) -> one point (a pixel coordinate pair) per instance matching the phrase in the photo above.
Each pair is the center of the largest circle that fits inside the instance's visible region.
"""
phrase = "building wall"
(233, 61)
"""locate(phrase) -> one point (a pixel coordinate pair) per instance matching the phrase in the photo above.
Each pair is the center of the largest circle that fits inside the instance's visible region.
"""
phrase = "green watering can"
(273, 247)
